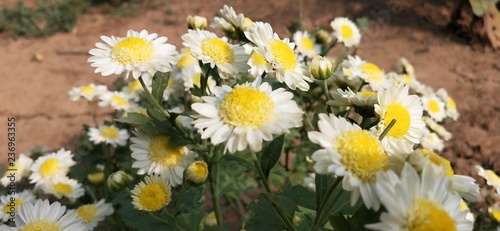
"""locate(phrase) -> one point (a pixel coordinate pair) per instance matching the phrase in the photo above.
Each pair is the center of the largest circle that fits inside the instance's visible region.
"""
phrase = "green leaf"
(362, 217)
(339, 222)
(239, 161)
(479, 7)
(134, 119)
(271, 154)
(140, 220)
(160, 81)
(322, 182)
(190, 221)
(303, 196)
(265, 212)
(191, 201)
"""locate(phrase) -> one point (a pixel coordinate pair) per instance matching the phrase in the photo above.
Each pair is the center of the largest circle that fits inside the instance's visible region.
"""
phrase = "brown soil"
(36, 93)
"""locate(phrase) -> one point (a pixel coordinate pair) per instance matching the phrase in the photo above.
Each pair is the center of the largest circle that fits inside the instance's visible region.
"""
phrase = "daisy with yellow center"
(45, 216)
(281, 56)
(118, 100)
(139, 54)
(258, 64)
(350, 152)
(109, 134)
(152, 194)
(154, 154)
(431, 140)
(187, 69)
(492, 179)
(20, 170)
(63, 187)
(363, 98)
(87, 92)
(434, 107)
(346, 31)
(51, 166)
(246, 115)
(355, 67)
(94, 213)
(418, 203)
(10, 207)
(451, 106)
(465, 186)
(437, 128)
(210, 49)
(238, 21)
(406, 110)
(306, 44)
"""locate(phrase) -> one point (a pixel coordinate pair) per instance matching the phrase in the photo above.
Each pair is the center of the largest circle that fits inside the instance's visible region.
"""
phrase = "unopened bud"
(96, 178)
(321, 68)
(197, 22)
(210, 220)
(323, 37)
(118, 181)
(197, 172)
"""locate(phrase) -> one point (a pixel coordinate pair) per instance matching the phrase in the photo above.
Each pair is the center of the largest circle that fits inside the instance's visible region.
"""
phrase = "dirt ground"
(36, 93)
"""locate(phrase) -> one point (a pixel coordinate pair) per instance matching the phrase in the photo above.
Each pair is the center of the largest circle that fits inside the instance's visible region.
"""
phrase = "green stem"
(184, 187)
(306, 113)
(387, 129)
(325, 199)
(213, 191)
(153, 100)
(92, 112)
(262, 176)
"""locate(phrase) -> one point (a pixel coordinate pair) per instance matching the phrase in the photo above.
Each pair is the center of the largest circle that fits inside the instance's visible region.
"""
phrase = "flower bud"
(96, 178)
(210, 220)
(118, 181)
(323, 37)
(321, 68)
(197, 22)
(197, 172)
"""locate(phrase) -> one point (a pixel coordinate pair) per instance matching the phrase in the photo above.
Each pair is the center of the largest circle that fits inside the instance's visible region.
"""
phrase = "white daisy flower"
(153, 154)
(405, 79)
(346, 31)
(88, 92)
(363, 98)
(238, 21)
(152, 194)
(434, 107)
(9, 204)
(349, 152)
(63, 187)
(492, 179)
(280, 54)
(354, 67)
(451, 106)
(139, 54)
(94, 213)
(50, 166)
(45, 216)
(310, 181)
(246, 115)
(226, 27)
(395, 104)
(465, 186)
(187, 68)
(18, 171)
(119, 100)
(109, 134)
(437, 128)
(306, 44)
(414, 202)
(470, 216)
(431, 140)
(210, 49)
(258, 64)
(406, 67)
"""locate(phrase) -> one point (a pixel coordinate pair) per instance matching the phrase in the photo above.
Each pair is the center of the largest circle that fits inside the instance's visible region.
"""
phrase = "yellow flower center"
(153, 197)
(109, 132)
(41, 225)
(402, 117)
(257, 59)
(62, 188)
(119, 101)
(246, 106)
(426, 215)
(439, 161)
(132, 51)
(451, 103)
(372, 72)
(7, 208)
(463, 205)
(218, 50)
(307, 44)
(50, 167)
(134, 86)
(200, 169)
(361, 154)
(368, 94)
(406, 78)
(161, 152)
(87, 90)
(433, 106)
(346, 31)
(186, 59)
(87, 212)
(496, 214)
(283, 54)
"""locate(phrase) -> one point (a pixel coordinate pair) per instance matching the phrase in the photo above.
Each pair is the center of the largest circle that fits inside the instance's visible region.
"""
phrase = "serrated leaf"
(160, 81)
(140, 220)
(134, 119)
(362, 217)
(322, 184)
(265, 214)
(303, 196)
(190, 221)
(271, 154)
(240, 161)
(479, 7)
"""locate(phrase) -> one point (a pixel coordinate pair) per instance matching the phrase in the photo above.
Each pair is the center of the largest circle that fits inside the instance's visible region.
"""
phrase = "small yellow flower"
(152, 194)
